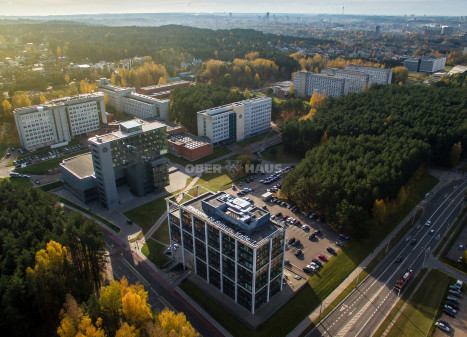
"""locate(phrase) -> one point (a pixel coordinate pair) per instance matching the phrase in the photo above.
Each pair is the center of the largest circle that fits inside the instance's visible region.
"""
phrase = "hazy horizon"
(350, 7)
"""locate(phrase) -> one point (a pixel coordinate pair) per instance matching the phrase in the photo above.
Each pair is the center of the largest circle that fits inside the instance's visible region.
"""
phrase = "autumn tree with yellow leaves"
(124, 312)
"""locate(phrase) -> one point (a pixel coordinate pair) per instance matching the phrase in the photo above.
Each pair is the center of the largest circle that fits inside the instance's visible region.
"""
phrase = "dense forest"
(29, 219)
(50, 261)
(186, 102)
(167, 45)
(366, 147)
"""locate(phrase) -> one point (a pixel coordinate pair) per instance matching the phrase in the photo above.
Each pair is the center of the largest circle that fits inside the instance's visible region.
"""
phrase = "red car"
(322, 257)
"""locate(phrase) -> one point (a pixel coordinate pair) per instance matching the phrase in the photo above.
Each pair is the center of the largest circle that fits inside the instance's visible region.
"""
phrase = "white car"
(305, 227)
(428, 223)
(442, 326)
(312, 267)
(297, 277)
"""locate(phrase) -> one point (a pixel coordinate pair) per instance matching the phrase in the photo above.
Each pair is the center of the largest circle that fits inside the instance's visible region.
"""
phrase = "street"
(367, 306)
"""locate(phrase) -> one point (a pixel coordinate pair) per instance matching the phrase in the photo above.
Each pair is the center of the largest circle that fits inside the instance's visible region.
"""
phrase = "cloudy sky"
(383, 7)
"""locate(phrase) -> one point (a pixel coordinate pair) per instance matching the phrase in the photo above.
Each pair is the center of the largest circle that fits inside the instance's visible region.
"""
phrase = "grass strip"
(92, 215)
(418, 316)
(154, 252)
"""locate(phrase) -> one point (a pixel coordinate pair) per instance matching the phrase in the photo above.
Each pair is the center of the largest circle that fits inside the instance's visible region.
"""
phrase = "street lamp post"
(320, 308)
(356, 284)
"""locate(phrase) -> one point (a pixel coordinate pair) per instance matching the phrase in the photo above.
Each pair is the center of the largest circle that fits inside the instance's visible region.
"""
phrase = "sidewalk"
(351, 278)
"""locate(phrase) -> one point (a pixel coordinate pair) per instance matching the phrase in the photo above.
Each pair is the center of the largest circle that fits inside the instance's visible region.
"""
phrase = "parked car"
(452, 299)
(449, 313)
(318, 232)
(298, 252)
(318, 262)
(330, 250)
(432, 232)
(448, 307)
(442, 326)
(339, 244)
(297, 277)
(322, 257)
(452, 305)
(428, 223)
(287, 262)
(343, 237)
(305, 227)
(291, 241)
(456, 293)
(311, 237)
(296, 243)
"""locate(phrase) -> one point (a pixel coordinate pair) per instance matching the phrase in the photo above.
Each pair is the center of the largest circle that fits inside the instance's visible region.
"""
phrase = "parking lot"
(457, 325)
(310, 249)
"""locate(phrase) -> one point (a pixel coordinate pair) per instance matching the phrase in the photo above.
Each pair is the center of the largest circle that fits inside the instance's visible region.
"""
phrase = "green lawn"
(320, 285)
(146, 215)
(154, 251)
(216, 153)
(92, 215)
(44, 166)
(277, 154)
(400, 302)
(418, 316)
(162, 233)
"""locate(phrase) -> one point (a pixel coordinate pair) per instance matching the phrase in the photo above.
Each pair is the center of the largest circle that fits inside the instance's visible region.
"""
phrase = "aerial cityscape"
(208, 168)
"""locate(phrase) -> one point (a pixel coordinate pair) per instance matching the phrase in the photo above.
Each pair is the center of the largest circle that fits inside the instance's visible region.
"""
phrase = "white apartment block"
(138, 105)
(306, 83)
(357, 80)
(236, 121)
(59, 120)
(377, 74)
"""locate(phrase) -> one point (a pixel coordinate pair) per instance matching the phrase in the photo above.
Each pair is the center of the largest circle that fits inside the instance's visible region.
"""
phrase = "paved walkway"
(444, 177)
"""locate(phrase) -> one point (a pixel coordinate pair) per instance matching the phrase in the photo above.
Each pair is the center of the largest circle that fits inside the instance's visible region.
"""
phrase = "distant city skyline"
(350, 7)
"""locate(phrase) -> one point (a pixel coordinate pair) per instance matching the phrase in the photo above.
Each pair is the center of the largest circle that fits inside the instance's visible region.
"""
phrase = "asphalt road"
(367, 306)
(160, 293)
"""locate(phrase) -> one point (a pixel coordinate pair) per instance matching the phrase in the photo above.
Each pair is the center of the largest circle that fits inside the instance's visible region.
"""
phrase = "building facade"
(138, 105)
(306, 83)
(426, 64)
(231, 244)
(59, 120)
(357, 80)
(187, 146)
(236, 121)
(377, 74)
(130, 156)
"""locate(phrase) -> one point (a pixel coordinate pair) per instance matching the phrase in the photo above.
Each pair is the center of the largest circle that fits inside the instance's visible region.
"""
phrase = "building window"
(200, 249)
(228, 287)
(214, 278)
(244, 278)
(214, 258)
(201, 269)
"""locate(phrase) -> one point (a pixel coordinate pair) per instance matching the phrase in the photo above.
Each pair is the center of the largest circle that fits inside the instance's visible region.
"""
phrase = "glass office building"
(231, 244)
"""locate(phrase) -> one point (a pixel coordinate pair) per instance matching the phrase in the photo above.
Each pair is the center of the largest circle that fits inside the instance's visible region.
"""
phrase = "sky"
(379, 7)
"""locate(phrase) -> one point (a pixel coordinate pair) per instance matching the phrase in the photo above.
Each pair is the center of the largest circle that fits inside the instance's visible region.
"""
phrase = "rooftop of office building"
(188, 140)
(128, 128)
(60, 101)
(81, 165)
(236, 208)
(229, 107)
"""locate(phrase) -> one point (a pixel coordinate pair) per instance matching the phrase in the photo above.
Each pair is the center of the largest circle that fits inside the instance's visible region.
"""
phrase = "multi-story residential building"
(138, 105)
(231, 244)
(306, 83)
(357, 80)
(377, 74)
(236, 121)
(130, 156)
(59, 120)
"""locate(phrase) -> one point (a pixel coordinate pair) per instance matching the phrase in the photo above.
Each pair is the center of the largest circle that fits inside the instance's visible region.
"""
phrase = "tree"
(256, 81)
(42, 98)
(20, 99)
(127, 331)
(171, 323)
(379, 211)
(400, 74)
(455, 154)
(291, 90)
(111, 304)
(7, 108)
(246, 93)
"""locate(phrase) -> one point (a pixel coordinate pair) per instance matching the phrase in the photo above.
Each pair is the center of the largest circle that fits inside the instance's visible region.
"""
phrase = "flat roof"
(120, 135)
(187, 140)
(253, 239)
(81, 165)
(130, 124)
